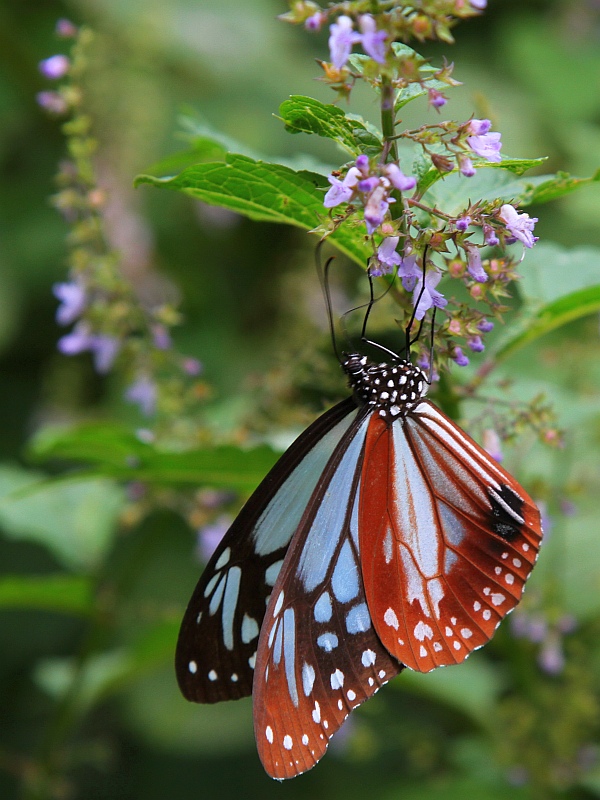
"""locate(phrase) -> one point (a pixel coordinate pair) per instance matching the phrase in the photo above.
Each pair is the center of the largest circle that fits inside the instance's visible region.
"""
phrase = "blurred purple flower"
(492, 444)
(474, 265)
(426, 296)
(489, 236)
(485, 326)
(373, 41)
(53, 102)
(65, 29)
(342, 191)
(465, 165)
(161, 337)
(341, 39)
(475, 344)
(479, 4)
(520, 225)
(460, 358)
(73, 300)
(191, 366)
(104, 348)
(209, 536)
(376, 208)
(551, 657)
(410, 272)
(316, 21)
(400, 181)
(54, 67)
(436, 99)
(462, 223)
(144, 393)
(387, 257)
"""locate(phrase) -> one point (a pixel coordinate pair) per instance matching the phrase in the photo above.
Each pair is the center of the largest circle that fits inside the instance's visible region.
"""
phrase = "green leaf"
(115, 452)
(69, 594)
(489, 179)
(558, 286)
(306, 115)
(546, 188)
(75, 520)
(263, 192)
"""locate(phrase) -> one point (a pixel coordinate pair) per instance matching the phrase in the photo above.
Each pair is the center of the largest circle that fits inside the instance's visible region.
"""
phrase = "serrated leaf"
(74, 520)
(69, 594)
(263, 192)
(546, 188)
(306, 115)
(115, 452)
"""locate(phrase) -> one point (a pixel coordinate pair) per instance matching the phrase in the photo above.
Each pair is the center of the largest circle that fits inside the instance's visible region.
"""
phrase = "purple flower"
(410, 272)
(191, 366)
(520, 225)
(341, 191)
(479, 4)
(104, 348)
(462, 223)
(460, 358)
(144, 392)
(315, 22)
(425, 296)
(466, 167)
(209, 536)
(65, 29)
(551, 657)
(362, 164)
(53, 102)
(376, 208)
(54, 67)
(436, 99)
(474, 265)
(479, 127)
(161, 337)
(341, 39)
(400, 181)
(373, 41)
(368, 185)
(492, 444)
(475, 344)
(487, 145)
(73, 301)
(489, 236)
(485, 326)
(387, 257)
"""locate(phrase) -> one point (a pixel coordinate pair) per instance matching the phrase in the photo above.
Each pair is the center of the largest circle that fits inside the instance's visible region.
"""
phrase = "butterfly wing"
(447, 537)
(217, 642)
(318, 654)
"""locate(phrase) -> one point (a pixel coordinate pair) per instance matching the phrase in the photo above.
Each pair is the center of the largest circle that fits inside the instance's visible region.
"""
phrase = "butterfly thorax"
(391, 389)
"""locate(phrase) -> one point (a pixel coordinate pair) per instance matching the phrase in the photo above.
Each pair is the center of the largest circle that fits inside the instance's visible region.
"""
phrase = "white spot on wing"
(388, 546)
(422, 652)
(476, 605)
(278, 604)
(390, 618)
(517, 562)
(456, 644)
(287, 742)
(193, 667)
(304, 739)
(487, 614)
(212, 675)
(368, 658)
(272, 573)
(223, 558)
(498, 599)
(308, 678)
(510, 579)
(337, 679)
(351, 695)
(316, 714)
(269, 734)
(250, 629)
(423, 631)
(466, 633)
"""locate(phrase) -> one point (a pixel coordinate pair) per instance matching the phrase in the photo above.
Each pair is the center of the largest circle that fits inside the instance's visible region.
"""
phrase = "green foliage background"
(92, 590)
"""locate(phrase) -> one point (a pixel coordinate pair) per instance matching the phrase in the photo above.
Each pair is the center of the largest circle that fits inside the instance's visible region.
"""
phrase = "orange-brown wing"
(318, 654)
(447, 538)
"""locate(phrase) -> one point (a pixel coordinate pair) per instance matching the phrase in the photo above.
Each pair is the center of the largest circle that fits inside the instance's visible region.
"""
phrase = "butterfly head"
(391, 389)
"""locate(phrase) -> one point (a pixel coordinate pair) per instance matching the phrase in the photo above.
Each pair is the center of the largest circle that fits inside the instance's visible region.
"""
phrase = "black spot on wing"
(506, 516)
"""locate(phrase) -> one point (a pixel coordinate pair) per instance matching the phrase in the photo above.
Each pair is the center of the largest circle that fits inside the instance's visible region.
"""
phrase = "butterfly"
(383, 538)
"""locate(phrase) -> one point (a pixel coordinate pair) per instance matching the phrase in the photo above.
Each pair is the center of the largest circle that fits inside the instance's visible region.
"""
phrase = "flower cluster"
(549, 635)
(108, 319)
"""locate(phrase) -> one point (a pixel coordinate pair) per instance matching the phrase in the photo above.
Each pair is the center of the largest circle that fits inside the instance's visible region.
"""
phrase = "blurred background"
(89, 707)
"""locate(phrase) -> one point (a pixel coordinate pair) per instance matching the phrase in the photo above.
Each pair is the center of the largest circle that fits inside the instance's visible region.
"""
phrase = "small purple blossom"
(144, 393)
(54, 67)
(474, 265)
(492, 444)
(400, 181)
(376, 208)
(436, 99)
(191, 366)
(519, 225)
(426, 296)
(368, 185)
(53, 102)
(489, 236)
(341, 39)
(479, 127)
(551, 657)
(387, 257)
(161, 337)
(466, 167)
(475, 344)
(462, 223)
(104, 348)
(73, 300)
(479, 4)
(373, 41)
(485, 326)
(65, 29)
(459, 357)
(209, 536)
(342, 191)
(409, 272)
(487, 146)
(316, 21)
(362, 164)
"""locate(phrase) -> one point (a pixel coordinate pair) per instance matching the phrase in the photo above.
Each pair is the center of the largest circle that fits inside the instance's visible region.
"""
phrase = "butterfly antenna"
(430, 379)
(408, 341)
(323, 274)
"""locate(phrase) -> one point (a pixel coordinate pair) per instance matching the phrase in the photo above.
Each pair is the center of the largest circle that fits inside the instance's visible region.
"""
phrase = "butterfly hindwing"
(318, 655)
(448, 538)
(217, 643)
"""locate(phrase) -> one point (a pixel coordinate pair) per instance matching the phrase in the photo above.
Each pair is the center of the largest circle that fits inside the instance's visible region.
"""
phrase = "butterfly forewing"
(318, 655)
(218, 639)
(448, 538)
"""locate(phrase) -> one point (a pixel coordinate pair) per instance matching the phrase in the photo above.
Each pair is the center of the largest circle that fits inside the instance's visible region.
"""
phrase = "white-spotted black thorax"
(392, 389)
